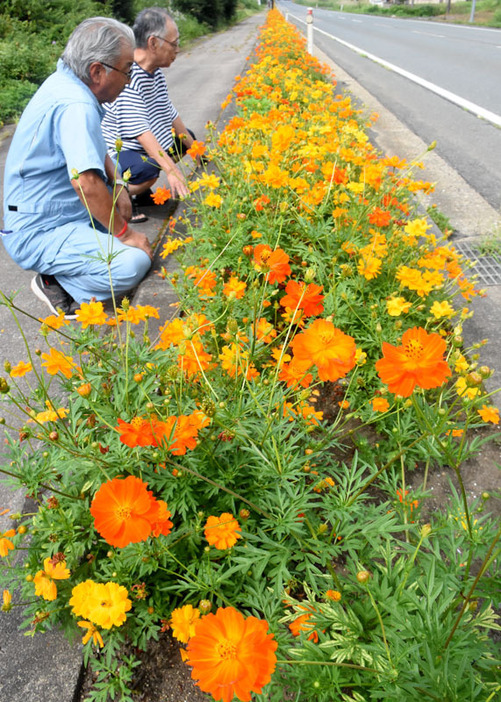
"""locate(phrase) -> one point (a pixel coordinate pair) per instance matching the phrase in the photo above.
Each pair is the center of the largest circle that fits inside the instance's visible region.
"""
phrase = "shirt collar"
(66, 70)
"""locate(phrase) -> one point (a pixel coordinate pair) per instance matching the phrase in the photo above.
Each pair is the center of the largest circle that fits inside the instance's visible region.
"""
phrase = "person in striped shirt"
(142, 117)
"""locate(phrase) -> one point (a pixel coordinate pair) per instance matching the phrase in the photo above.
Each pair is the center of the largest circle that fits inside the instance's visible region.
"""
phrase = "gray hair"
(96, 39)
(150, 21)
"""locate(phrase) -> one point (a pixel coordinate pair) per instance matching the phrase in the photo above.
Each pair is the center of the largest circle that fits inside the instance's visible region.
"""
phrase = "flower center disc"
(226, 650)
(413, 349)
(124, 512)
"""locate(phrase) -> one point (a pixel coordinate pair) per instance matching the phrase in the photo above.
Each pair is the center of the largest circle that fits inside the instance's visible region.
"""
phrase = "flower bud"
(363, 576)
(485, 371)
(84, 390)
(425, 530)
(205, 606)
(474, 378)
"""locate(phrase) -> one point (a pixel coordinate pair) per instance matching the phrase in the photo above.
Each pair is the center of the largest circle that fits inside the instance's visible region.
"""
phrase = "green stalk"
(467, 599)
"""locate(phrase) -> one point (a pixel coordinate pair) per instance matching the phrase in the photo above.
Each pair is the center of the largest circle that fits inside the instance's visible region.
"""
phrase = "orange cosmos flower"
(380, 404)
(333, 595)
(57, 362)
(161, 523)
(196, 149)
(303, 297)
(44, 580)
(295, 374)
(193, 358)
(180, 433)
(161, 195)
(204, 280)
(91, 313)
(137, 432)
(489, 414)
(6, 544)
(327, 348)
(379, 217)
(222, 532)
(260, 202)
(301, 624)
(234, 288)
(20, 369)
(418, 361)
(274, 263)
(124, 511)
(264, 331)
(231, 656)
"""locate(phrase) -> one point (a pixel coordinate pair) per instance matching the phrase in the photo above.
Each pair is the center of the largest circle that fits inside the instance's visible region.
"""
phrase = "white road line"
(428, 34)
(446, 94)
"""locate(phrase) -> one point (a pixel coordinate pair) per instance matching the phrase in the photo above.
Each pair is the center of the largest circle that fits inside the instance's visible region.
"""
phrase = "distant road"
(435, 77)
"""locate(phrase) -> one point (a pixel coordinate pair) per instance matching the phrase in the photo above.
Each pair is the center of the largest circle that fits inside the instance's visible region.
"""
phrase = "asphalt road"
(462, 61)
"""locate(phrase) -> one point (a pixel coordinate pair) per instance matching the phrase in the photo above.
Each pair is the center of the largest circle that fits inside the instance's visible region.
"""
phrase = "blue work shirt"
(59, 133)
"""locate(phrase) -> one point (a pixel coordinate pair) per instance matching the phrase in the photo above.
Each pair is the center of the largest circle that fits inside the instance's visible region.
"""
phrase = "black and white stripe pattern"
(143, 105)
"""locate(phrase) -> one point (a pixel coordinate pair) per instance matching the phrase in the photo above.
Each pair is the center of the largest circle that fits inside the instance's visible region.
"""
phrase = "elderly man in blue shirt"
(66, 210)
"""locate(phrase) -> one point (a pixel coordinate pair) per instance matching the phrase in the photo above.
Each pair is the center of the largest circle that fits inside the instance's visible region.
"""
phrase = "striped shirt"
(142, 106)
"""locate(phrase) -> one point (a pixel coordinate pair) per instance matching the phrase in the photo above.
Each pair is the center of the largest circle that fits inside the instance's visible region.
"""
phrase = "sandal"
(137, 217)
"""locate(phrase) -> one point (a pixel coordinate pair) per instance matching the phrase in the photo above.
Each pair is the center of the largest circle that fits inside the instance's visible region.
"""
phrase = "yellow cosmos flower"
(461, 365)
(183, 621)
(91, 633)
(463, 390)
(6, 544)
(489, 414)
(44, 580)
(369, 267)
(91, 313)
(7, 599)
(213, 200)
(50, 415)
(56, 362)
(442, 309)
(417, 227)
(104, 604)
(20, 369)
(395, 306)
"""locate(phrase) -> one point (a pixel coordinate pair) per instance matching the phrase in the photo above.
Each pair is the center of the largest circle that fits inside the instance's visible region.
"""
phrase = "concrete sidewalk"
(46, 667)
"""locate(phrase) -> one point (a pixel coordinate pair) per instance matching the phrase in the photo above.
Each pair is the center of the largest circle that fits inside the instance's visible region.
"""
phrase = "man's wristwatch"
(122, 183)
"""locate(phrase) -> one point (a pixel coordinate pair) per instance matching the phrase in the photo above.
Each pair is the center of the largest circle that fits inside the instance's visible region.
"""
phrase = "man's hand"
(123, 203)
(177, 182)
(131, 237)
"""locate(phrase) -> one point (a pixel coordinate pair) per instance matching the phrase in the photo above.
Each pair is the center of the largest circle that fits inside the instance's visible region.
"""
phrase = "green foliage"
(14, 96)
(32, 37)
(210, 13)
(396, 600)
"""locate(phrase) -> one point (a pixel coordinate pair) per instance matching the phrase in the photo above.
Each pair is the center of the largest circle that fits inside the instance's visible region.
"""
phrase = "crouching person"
(65, 217)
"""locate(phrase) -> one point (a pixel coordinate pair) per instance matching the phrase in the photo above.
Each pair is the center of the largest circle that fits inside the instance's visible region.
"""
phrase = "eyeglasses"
(174, 44)
(114, 68)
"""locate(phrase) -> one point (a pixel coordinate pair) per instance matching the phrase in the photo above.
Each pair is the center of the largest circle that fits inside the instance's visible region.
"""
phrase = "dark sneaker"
(47, 289)
(137, 217)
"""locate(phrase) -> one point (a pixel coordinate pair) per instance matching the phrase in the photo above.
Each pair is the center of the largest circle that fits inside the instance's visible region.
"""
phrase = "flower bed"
(191, 482)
